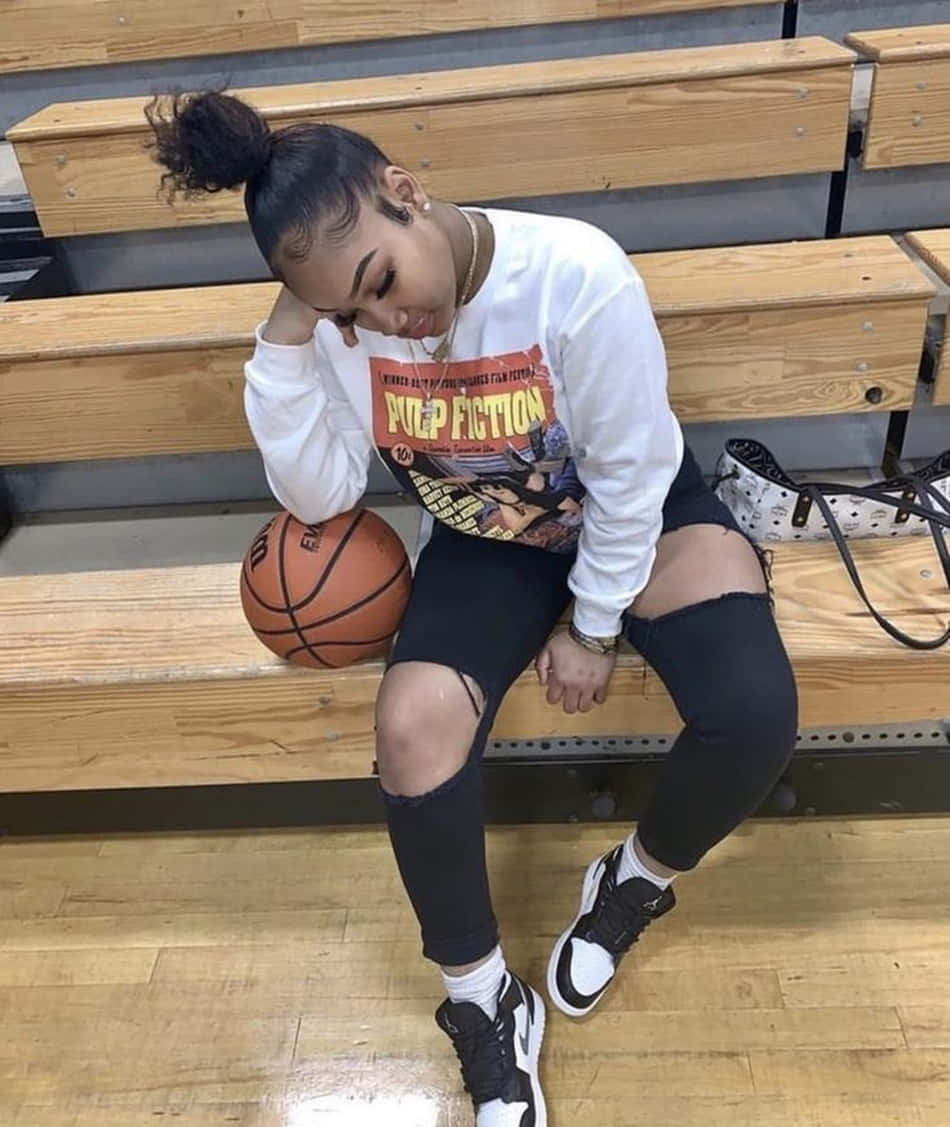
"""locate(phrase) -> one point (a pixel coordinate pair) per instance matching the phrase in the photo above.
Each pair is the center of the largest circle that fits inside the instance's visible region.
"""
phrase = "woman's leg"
(428, 756)
(480, 610)
(705, 625)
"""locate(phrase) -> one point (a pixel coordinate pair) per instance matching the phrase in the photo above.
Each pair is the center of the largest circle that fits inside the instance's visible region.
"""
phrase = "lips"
(421, 327)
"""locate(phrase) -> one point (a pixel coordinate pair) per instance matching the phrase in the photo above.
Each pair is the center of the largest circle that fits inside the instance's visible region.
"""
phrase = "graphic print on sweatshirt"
(490, 458)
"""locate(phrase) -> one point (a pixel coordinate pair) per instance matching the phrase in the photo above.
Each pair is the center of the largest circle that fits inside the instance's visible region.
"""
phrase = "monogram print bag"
(770, 506)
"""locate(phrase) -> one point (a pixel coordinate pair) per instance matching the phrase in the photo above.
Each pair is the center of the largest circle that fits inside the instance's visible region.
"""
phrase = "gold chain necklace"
(440, 351)
(443, 351)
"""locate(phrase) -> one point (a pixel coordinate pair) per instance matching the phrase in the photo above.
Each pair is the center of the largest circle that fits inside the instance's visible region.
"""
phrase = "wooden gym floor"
(274, 980)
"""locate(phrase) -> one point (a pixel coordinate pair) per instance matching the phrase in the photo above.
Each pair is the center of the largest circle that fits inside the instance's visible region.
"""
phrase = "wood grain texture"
(785, 990)
(729, 366)
(583, 125)
(926, 41)
(750, 332)
(934, 248)
(280, 104)
(152, 678)
(39, 34)
(793, 362)
(822, 272)
(909, 114)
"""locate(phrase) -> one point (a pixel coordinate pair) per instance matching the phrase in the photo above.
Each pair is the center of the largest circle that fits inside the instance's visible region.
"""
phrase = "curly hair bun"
(208, 141)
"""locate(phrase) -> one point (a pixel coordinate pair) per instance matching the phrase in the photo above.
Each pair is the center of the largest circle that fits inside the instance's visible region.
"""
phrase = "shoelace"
(619, 918)
(485, 1058)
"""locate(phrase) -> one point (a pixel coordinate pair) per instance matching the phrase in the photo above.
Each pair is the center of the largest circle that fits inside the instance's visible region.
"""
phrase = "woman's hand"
(291, 321)
(573, 674)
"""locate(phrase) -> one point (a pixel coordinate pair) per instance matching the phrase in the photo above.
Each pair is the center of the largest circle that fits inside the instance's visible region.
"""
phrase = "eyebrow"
(357, 278)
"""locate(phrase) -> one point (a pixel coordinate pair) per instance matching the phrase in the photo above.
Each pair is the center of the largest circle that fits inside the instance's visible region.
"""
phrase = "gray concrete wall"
(897, 199)
(679, 216)
(835, 18)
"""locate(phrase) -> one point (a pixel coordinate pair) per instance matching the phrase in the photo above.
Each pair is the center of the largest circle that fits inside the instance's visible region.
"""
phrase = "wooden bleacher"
(751, 332)
(909, 115)
(680, 116)
(40, 34)
(152, 677)
(934, 249)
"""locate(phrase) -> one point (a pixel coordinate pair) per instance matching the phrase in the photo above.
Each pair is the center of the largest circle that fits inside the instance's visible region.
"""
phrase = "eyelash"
(344, 320)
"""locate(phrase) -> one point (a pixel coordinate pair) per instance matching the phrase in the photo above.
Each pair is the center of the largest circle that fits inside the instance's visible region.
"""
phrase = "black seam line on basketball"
(283, 586)
(313, 594)
(343, 613)
(254, 595)
(329, 664)
(331, 562)
(358, 642)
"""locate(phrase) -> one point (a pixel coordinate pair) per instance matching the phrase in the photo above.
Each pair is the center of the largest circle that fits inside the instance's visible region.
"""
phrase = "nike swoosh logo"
(529, 1007)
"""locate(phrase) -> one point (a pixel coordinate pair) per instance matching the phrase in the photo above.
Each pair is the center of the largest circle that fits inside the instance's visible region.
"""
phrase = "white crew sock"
(631, 866)
(481, 985)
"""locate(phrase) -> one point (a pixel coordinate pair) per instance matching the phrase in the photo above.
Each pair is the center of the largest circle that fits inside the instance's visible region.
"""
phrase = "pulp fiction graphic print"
(481, 449)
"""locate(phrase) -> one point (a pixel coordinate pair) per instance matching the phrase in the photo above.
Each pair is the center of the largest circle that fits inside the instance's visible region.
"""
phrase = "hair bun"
(207, 141)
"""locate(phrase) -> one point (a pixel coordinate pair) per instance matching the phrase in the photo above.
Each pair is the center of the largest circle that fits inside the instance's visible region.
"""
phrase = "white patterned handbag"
(770, 506)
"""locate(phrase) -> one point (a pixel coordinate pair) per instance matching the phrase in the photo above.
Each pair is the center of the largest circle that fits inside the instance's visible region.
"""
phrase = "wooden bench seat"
(782, 329)
(934, 247)
(734, 111)
(153, 678)
(909, 114)
(39, 34)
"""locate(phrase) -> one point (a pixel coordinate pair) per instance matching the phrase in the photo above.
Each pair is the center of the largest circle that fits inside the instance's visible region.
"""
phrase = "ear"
(404, 187)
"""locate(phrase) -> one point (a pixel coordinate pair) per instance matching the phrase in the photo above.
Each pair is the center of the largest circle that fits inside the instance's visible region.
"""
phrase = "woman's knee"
(427, 718)
(758, 705)
(726, 668)
(753, 699)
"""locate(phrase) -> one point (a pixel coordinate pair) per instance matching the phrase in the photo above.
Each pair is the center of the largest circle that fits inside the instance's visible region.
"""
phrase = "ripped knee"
(427, 717)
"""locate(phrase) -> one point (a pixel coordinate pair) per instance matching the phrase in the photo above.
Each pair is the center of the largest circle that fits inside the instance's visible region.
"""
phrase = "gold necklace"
(443, 351)
(440, 351)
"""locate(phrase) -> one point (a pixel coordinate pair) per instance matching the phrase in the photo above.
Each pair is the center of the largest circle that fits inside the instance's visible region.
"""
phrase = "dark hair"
(293, 177)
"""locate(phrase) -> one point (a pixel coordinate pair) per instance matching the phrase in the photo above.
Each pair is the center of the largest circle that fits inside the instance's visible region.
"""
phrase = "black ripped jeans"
(485, 608)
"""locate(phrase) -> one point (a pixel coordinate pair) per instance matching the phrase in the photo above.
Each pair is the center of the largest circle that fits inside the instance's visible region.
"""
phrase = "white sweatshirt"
(552, 426)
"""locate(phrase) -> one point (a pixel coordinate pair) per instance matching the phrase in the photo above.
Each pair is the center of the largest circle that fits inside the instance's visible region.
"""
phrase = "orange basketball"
(326, 595)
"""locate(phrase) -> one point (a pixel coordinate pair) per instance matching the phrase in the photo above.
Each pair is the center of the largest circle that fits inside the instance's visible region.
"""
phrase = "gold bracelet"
(600, 646)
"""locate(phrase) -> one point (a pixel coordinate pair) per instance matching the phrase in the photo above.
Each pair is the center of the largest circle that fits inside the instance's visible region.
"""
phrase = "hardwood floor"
(274, 980)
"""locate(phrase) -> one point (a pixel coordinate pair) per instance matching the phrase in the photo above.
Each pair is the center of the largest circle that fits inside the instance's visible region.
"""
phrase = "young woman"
(489, 357)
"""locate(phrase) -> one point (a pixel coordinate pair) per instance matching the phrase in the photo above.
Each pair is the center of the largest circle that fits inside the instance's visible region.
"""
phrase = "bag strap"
(929, 495)
(934, 494)
(930, 509)
(815, 492)
(902, 504)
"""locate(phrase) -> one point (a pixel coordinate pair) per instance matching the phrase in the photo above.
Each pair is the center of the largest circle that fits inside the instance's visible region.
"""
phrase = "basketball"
(326, 595)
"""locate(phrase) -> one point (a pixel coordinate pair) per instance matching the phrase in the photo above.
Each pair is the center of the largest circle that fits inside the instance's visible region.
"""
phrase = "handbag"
(770, 506)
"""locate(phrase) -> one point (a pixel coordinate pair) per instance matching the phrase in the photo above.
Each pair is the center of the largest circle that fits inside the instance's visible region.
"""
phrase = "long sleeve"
(627, 445)
(316, 454)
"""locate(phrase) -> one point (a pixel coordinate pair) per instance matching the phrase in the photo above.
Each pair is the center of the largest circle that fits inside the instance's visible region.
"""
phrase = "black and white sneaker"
(500, 1058)
(611, 919)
